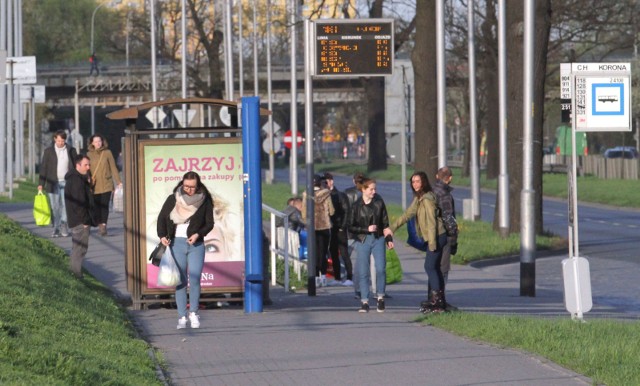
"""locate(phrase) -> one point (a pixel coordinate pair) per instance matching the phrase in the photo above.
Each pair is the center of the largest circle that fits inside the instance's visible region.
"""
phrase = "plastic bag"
(41, 210)
(168, 274)
(394, 269)
(118, 199)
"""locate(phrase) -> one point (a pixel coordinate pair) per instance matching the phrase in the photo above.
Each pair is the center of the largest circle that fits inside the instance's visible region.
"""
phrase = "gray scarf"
(185, 207)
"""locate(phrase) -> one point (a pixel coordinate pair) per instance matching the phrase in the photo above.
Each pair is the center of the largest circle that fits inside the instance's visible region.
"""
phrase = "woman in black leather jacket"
(369, 225)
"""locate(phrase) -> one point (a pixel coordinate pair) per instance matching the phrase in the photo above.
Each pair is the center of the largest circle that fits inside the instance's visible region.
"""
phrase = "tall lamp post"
(93, 18)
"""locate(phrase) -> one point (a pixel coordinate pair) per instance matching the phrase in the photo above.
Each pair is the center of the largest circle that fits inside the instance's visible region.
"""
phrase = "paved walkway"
(323, 340)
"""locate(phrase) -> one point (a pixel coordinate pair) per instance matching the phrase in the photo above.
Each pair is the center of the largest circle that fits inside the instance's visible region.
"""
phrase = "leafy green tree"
(59, 31)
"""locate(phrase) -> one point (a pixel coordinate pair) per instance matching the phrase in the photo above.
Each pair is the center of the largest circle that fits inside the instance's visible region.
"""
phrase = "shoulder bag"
(413, 238)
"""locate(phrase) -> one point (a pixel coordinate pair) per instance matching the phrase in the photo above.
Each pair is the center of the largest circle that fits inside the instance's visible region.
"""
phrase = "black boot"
(437, 304)
(424, 305)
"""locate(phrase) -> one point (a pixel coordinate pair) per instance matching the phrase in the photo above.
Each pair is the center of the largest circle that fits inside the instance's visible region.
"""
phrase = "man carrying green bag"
(57, 161)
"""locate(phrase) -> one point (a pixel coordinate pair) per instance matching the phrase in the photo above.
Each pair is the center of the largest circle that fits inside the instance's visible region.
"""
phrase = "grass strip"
(57, 330)
(604, 350)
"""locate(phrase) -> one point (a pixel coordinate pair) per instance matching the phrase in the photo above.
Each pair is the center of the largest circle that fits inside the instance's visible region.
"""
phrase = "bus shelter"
(207, 140)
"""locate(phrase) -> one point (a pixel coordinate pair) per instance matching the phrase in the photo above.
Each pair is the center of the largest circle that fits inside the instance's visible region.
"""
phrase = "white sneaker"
(347, 283)
(194, 319)
(182, 323)
(64, 230)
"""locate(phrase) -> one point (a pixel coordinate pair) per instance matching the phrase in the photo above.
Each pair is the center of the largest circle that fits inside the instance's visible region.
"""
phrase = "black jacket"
(362, 215)
(49, 167)
(447, 207)
(352, 194)
(341, 209)
(295, 218)
(78, 199)
(201, 222)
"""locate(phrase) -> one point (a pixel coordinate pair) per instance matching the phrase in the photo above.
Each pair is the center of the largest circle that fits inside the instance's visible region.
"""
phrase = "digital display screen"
(354, 47)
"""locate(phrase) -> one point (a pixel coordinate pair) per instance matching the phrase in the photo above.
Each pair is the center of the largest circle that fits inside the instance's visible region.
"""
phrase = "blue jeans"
(432, 264)
(58, 209)
(376, 247)
(190, 258)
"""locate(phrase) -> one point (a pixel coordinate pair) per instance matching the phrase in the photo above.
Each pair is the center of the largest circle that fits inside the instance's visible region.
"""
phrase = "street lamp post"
(93, 18)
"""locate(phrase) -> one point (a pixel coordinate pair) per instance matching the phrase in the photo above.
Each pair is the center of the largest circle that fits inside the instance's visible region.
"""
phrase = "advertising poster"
(219, 164)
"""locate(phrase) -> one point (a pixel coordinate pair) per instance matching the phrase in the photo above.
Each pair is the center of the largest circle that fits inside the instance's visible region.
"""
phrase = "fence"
(596, 165)
(279, 237)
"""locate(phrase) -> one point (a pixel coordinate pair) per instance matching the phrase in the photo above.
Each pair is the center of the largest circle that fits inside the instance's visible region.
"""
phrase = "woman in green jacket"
(429, 226)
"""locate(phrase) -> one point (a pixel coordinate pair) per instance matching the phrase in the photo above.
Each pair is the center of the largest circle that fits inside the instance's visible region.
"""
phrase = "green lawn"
(57, 330)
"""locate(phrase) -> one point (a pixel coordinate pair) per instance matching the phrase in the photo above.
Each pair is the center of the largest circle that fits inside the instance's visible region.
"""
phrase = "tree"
(515, 35)
(424, 70)
(204, 43)
(489, 78)
(59, 31)
(374, 95)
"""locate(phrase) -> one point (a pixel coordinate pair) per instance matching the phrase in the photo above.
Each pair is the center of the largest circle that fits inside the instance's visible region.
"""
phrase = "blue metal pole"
(252, 189)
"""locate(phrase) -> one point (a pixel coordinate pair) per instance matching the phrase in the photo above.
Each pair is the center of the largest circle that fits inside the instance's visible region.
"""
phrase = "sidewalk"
(322, 340)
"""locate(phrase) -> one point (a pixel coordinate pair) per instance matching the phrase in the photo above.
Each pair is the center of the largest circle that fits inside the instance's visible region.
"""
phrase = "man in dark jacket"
(78, 200)
(57, 161)
(338, 244)
(294, 213)
(442, 189)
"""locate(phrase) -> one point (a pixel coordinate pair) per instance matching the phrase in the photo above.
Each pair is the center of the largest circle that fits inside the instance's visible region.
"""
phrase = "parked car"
(628, 152)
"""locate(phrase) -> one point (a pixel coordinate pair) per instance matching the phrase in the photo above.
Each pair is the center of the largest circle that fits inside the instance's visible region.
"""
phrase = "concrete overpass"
(119, 85)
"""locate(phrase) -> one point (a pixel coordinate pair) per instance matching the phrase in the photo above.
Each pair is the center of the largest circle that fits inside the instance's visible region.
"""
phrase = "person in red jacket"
(93, 59)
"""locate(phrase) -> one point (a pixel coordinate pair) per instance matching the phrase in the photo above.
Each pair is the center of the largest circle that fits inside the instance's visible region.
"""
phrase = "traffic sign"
(225, 115)
(39, 93)
(288, 139)
(266, 145)
(22, 68)
(179, 116)
(155, 112)
(602, 93)
(266, 128)
(565, 92)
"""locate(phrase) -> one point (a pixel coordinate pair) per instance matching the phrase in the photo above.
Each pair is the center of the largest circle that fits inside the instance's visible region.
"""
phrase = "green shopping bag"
(394, 269)
(41, 210)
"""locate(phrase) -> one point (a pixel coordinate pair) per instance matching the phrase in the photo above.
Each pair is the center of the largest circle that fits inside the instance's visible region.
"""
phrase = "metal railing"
(277, 250)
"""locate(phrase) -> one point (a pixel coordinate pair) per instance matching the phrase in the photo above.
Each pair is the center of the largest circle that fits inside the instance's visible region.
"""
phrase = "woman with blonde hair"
(103, 175)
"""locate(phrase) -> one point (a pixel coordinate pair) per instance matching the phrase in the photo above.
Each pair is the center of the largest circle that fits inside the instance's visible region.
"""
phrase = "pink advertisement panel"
(219, 164)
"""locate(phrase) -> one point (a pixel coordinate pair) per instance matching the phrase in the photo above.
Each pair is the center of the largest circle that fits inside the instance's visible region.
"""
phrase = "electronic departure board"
(362, 47)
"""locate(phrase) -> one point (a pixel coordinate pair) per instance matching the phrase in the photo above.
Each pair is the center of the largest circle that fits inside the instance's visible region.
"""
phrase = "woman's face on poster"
(215, 247)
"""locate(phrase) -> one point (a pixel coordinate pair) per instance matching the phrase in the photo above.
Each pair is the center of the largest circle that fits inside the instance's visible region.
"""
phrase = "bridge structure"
(120, 85)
